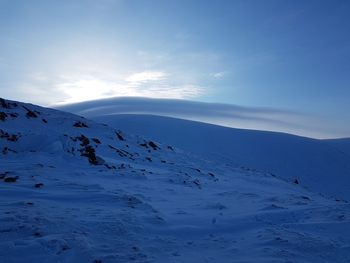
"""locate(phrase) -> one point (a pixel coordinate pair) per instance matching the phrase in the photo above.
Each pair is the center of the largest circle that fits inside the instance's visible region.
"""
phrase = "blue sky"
(287, 55)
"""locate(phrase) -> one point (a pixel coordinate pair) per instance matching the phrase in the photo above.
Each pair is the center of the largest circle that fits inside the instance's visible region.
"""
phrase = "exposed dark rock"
(170, 148)
(80, 124)
(3, 103)
(3, 116)
(10, 179)
(14, 115)
(296, 181)
(13, 138)
(122, 153)
(38, 185)
(196, 182)
(30, 113)
(96, 140)
(110, 146)
(119, 136)
(110, 166)
(6, 150)
(2, 175)
(89, 152)
(150, 144)
(84, 140)
(148, 159)
(7, 105)
(44, 120)
(3, 134)
(7, 136)
(153, 145)
(135, 248)
(37, 234)
(131, 200)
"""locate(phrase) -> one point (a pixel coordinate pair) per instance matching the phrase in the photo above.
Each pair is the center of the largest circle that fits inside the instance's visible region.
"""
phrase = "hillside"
(342, 144)
(73, 190)
(316, 164)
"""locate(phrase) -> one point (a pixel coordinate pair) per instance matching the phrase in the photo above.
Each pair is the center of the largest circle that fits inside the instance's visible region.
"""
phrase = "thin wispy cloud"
(172, 92)
(258, 118)
(218, 75)
(146, 76)
(38, 76)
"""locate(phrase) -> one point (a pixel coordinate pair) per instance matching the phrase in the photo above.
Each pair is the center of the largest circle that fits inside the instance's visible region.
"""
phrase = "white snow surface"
(227, 115)
(73, 190)
(320, 165)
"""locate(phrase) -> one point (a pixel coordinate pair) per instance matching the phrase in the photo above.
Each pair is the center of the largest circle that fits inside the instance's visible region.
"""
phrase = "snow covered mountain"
(320, 165)
(227, 115)
(74, 190)
(342, 144)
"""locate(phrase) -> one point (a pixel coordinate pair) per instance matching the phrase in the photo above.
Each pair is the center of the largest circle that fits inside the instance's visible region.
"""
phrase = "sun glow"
(90, 89)
(153, 84)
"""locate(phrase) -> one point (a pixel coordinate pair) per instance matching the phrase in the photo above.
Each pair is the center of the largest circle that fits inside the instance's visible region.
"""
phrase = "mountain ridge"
(289, 156)
(226, 115)
(74, 190)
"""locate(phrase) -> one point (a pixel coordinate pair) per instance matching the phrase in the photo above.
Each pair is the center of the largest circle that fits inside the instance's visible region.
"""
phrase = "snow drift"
(320, 165)
(73, 190)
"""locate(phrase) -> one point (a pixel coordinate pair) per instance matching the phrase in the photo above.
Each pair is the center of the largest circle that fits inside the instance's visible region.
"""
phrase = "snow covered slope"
(342, 144)
(227, 115)
(72, 190)
(316, 164)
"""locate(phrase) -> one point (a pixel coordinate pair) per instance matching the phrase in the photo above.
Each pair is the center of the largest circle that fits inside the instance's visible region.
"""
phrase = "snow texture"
(74, 190)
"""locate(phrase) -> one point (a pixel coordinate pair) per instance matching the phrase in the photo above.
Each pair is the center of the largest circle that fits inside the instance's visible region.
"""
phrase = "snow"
(140, 200)
(342, 144)
(228, 115)
(319, 165)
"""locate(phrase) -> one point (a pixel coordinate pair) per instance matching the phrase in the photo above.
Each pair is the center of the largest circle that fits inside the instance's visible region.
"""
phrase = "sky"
(280, 54)
(227, 115)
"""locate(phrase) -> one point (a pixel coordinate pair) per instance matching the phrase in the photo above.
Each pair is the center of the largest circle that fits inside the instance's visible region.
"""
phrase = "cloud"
(257, 118)
(140, 84)
(171, 91)
(145, 76)
(38, 76)
(89, 88)
(218, 75)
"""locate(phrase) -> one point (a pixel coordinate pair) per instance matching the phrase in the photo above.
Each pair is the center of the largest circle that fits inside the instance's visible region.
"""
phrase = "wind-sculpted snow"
(72, 190)
(343, 145)
(317, 164)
